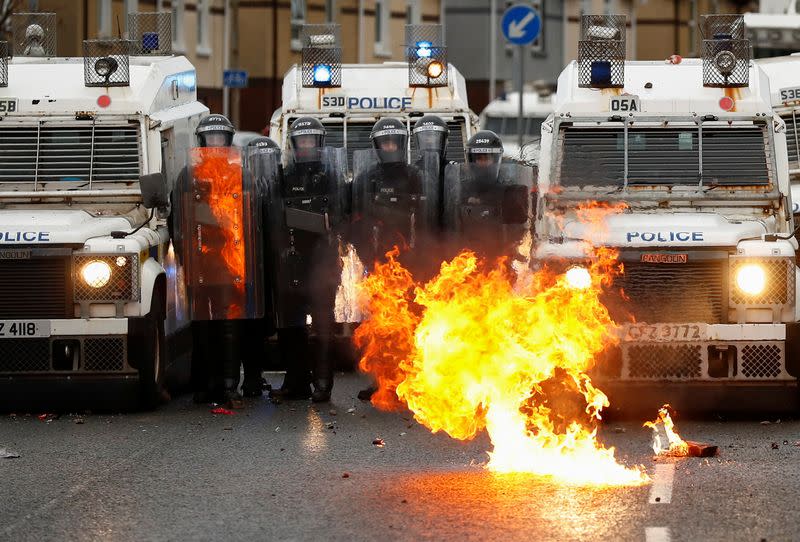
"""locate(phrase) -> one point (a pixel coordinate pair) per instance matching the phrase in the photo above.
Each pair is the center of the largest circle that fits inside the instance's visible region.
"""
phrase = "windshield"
(508, 125)
(663, 156)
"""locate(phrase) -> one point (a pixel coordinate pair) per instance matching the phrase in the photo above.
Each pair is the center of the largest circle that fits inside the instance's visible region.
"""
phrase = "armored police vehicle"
(349, 98)
(687, 163)
(90, 148)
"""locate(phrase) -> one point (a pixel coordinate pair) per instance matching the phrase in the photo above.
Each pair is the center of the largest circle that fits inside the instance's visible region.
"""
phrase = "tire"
(151, 371)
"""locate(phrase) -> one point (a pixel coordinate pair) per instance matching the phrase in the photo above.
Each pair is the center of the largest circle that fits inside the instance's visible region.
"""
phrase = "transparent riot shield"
(454, 175)
(334, 165)
(365, 167)
(220, 214)
(517, 204)
(428, 165)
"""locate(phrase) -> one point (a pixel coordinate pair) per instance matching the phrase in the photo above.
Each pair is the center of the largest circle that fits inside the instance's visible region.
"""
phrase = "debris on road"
(699, 449)
(78, 421)
(332, 412)
(619, 430)
(222, 410)
(47, 418)
(8, 454)
(775, 446)
(379, 442)
(351, 410)
(346, 475)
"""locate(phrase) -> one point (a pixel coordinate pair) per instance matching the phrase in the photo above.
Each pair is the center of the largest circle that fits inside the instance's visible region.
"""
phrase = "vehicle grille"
(62, 156)
(671, 361)
(38, 287)
(792, 140)
(689, 292)
(106, 355)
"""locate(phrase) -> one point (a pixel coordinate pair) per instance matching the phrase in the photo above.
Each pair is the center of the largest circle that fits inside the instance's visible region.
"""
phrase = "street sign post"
(521, 25)
(234, 78)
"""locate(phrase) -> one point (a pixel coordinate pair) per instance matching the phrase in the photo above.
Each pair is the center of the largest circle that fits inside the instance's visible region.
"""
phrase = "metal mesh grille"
(601, 64)
(104, 354)
(761, 361)
(106, 63)
(715, 26)
(424, 47)
(726, 63)
(37, 287)
(779, 288)
(792, 139)
(34, 34)
(664, 361)
(69, 155)
(24, 355)
(322, 55)
(4, 55)
(122, 285)
(150, 33)
(699, 286)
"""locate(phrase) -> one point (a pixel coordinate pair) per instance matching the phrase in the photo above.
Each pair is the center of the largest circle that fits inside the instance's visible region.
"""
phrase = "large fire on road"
(471, 349)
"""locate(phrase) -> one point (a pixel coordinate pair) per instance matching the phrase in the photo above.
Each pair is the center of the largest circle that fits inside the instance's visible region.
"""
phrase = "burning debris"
(475, 348)
(671, 444)
(347, 307)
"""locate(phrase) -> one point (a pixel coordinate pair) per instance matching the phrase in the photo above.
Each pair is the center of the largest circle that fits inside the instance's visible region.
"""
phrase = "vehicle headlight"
(578, 277)
(435, 69)
(106, 66)
(751, 279)
(96, 273)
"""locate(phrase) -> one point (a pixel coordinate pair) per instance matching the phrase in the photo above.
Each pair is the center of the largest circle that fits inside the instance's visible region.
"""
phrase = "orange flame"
(676, 446)
(220, 171)
(466, 352)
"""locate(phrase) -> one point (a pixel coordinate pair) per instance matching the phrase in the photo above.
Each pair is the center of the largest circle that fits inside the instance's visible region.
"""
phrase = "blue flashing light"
(423, 49)
(601, 73)
(322, 73)
(150, 41)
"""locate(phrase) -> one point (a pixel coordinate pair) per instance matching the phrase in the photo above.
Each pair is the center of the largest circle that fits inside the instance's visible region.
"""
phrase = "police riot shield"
(221, 236)
(487, 210)
(304, 214)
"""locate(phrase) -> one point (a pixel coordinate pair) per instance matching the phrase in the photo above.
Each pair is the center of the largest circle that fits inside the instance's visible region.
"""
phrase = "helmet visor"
(307, 145)
(430, 140)
(216, 139)
(390, 145)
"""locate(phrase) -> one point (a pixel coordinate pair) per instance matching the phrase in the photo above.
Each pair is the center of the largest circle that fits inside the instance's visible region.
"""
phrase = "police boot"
(254, 383)
(323, 376)
(293, 346)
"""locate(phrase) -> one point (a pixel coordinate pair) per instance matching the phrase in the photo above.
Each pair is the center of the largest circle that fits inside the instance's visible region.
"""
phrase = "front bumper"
(74, 349)
(726, 353)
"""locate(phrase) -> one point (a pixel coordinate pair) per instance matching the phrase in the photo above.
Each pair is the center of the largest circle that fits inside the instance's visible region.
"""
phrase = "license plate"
(665, 332)
(625, 104)
(791, 94)
(24, 328)
(8, 105)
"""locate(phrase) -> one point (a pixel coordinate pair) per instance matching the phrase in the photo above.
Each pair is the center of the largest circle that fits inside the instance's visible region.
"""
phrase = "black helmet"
(390, 138)
(215, 131)
(306, 139)
(430, 134)
(484, 153)
(263, 144)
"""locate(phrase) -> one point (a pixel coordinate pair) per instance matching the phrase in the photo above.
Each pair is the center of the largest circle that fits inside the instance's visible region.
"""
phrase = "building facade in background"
(263, 37)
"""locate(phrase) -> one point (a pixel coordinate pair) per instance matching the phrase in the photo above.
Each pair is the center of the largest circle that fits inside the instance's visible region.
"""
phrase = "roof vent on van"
(601, 51)
(4, 56)
(322, 55)
(726, 51)
(106, 63)
(34, 34)
(150, 33)
(426, 55)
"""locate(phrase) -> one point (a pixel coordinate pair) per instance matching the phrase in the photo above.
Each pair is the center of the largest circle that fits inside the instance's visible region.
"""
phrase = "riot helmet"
(390, 138)
(306, 139)
(484, 153)
(263, 144)
(430, 134)
(215, 131)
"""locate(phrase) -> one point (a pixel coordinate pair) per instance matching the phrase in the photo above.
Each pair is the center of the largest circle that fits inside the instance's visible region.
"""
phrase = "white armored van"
(90, 149)
(349, 98)
(693, 159)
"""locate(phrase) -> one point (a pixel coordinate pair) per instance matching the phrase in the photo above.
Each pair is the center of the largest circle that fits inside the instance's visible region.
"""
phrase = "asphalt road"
(277, 472)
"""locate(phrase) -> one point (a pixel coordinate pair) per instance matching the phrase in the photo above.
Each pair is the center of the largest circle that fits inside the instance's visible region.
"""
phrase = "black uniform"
(488, 204)
(305, 211)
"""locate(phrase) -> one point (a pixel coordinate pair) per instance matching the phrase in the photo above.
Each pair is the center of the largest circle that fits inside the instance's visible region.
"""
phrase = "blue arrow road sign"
(234, 78)
(521, 24)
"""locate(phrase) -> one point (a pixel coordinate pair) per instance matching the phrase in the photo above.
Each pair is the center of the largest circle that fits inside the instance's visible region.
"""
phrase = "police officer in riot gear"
(215, 343)
(305, 210)
(488, 203)
(394, 204)
(430, 134)
(257, 330)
